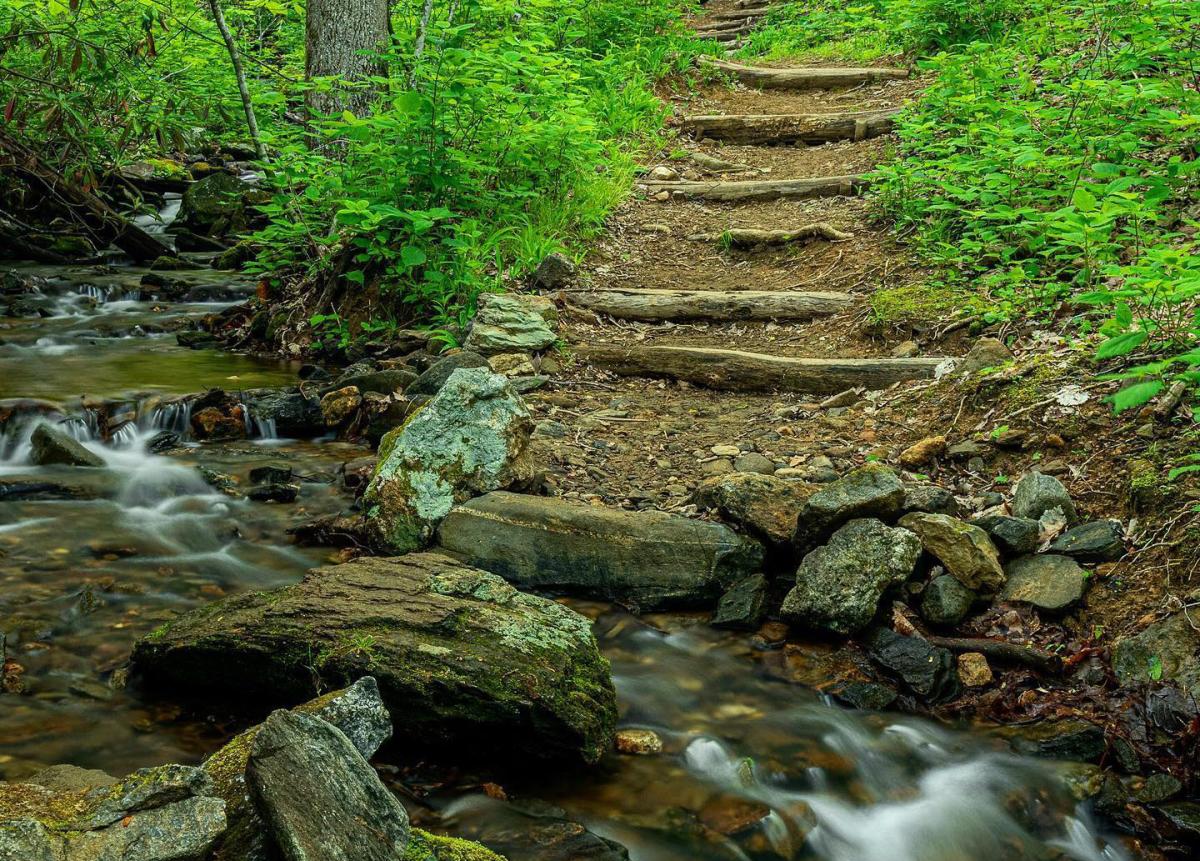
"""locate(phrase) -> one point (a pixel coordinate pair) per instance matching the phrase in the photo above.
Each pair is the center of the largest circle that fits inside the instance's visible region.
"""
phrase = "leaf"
(1121, 345)
(1135, 395)
(1084, 200)
(412, 256)
(1156, 668)
(9, 109)
(356, 276)
(1182, 470)
(1124, 315)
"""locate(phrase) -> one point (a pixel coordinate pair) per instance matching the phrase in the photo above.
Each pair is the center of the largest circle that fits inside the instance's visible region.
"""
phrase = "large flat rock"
(461, 657)
(647, 560)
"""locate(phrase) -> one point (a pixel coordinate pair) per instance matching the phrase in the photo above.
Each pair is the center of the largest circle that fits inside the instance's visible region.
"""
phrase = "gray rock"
(765, 506)
(290, 412)
(1073, 740)
(1048, 582)
(965, 550)
(1013, 536)
(460, 655)
(1035, 494)
(50, 446)
(929, 671)
(510, 323)
(986, 353)
(946, 601)
(869, 491)
(384, 382)
(838, 586)
(321, 800)
(743, 605)
(1098, 541)
(931, 499)
(470, 439)
(645, 559)
(432, 380)
(754, 462)
(1167, 650)
(554, 272)
(966, 450)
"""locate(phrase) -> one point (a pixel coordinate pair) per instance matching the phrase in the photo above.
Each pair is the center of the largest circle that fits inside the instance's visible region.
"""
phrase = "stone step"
(718, 305)
(735, 370)
(791, 128)
(764, 189)
(805, 78)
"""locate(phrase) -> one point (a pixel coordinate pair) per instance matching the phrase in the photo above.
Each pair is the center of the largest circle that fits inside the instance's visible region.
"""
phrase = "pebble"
(720, 466)
(638, 742)
(726, 450)
(754, 462)
(973, 670)
(906, 350)
(920, 453)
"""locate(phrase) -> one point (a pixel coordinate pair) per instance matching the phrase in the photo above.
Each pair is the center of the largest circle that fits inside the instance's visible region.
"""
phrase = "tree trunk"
(240, 74)
(340, 37)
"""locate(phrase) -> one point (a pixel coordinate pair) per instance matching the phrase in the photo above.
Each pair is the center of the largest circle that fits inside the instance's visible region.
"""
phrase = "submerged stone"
(461, 657)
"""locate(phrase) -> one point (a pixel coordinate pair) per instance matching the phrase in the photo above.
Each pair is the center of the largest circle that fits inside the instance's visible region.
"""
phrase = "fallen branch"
(748, 237)
(765, 189)
(719, 305)
(1000, 650)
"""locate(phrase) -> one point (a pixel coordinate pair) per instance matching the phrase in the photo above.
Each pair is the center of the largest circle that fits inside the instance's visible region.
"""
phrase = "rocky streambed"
(192, 539)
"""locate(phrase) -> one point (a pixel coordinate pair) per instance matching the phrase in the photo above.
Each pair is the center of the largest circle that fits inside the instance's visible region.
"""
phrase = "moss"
(423, 846)
(924, 305)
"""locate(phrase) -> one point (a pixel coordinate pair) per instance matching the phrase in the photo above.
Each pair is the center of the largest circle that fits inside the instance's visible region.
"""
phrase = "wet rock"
(923, 452)
(986, 353)
(1013, 536)
(163, 442)
(929, 671)
(973, 670)
(931, 499)
(1075, 740)
(645, 559)
(764, 506)
(867, 696)
(869, 491)
(340, 405)
(554, 272)
(471, 438)
(1048, 582)
(946, 601)
(385, 382)
(1167, 650)
(432, 380)
(274, 492)
(1098, 541)
(534, 831)
(319, 797)
(51, 446)
(754, 462)
(839, 586)
(965, 550)
(638, 742)
(288, 411)
(271, 474)
(743, 605)
(1185, 817)
(1158, 788)
(214, 206)
(461, 657)
(1035, 494)
(510, 323)
(155, 814)
(195, 339)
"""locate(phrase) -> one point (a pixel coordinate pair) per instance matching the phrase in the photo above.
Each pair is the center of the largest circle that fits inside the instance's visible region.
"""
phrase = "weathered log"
(1001, 650)
(737, 305)
(791, 128)
(100, 220)
(721, 35)
(805, 78)
(735, 370)
(748, 237)
(741, 14)
(743, 22)
(764, 189)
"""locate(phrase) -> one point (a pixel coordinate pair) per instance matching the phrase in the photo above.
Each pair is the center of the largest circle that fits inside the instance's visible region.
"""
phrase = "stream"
(93, 558)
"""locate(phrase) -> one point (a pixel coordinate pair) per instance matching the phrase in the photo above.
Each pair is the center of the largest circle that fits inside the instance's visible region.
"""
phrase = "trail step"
(805, 78)
(718, 305)
(722, 35)
(738, 15)
(734, 370)
(764, 189)
(791, 128)
(742, 23)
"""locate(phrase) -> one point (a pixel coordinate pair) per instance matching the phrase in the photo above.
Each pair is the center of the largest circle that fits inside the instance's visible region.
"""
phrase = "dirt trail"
(646, 438)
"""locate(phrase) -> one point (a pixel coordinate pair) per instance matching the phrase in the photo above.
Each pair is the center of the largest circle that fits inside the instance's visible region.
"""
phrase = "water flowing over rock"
(49, 445)
(461, 657)
(510, 323)
(965, 550)
(838, 586)
(869, 491)
(319, 797)
(472, 438)
(647, 559)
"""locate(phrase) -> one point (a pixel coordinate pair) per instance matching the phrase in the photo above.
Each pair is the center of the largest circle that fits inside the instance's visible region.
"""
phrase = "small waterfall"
(174, 416)
(156, 224)
(256, 427)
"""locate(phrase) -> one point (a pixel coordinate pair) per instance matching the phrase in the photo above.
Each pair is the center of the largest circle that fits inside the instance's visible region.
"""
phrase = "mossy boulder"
(471, 438)
(462, 658)
(872, 490)
(215, 205)
(1167, 650)
(966, 550)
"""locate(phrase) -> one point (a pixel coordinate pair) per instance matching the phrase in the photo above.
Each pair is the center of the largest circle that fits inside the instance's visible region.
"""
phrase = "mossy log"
(749, 237)
(734, 370)
(791, 128)
(654, 305)
(764, 189)
(805, 78)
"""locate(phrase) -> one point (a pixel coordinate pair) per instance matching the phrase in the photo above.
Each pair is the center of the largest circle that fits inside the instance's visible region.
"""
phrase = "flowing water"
(92, 558)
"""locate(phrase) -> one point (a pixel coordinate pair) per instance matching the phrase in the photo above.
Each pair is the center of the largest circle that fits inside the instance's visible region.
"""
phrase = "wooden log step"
(734, 370)
(721, 35)
(805, 78)
(764, 189)
(742, 23)
(749, 237)
(720, 305)
(741, 14)
(792, 128)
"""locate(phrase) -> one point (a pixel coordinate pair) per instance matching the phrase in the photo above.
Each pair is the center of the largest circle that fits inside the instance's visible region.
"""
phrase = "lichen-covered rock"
(320, 799)
(554, 272)
(1013, 536)
(869, 491)
(471, 438)
(930, 498)
(460, 656)
(49, 446)
(1167, 650)
(511, 323)
(1035, 494)
(765, 506)
(423, 846)
(649, 560)
(1098, 541)
(1048, 582)
(340, 405)
(946, 601)
(838, 586)
(965, 550)
(169, 813)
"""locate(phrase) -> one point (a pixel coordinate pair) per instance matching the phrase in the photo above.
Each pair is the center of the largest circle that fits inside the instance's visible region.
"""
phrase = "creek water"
(92, 558)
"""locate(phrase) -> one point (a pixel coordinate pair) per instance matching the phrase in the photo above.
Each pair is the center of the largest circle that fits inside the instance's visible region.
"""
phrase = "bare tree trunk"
(340, 35)
(240, 74)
